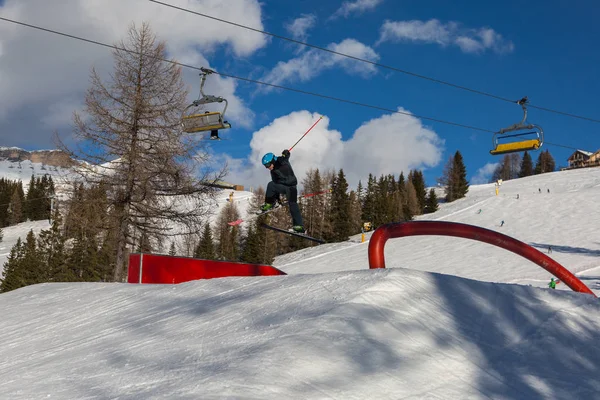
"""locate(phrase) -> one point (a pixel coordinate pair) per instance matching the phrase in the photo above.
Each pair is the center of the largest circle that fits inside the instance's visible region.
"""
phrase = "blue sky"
(511, 49)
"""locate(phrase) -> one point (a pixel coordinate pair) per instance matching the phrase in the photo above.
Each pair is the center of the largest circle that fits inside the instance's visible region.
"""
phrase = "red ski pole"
(306, 133)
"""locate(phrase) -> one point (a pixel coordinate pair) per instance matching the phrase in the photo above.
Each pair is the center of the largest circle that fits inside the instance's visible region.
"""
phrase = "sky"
(448, 318)
(537, 49)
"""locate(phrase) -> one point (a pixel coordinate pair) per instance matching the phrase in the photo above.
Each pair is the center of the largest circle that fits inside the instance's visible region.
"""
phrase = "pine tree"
(270, 243)
(462, 185)
(455, 178)
(13, 276)
(381, 201)
(51, 244)
(545, 163)
(35, 271)
(251, 247)
(368, 202)
(172, 250)
(355, 212)
(340, 208)
(402, 199)
(412, 200)
(447, 179)
(418, 182)
(48, 190)
(526, 166)
(391, 206)
(5, 195)
(206, 246)
(29, 206)
(16, 208)
(314, 208)
(227, 235)
(431, 203)
(89, 268)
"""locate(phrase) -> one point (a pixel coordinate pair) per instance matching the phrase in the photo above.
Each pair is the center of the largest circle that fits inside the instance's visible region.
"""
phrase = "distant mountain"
(54, 158)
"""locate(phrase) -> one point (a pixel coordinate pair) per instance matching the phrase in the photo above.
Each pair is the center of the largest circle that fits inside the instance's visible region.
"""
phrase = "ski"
(302, 235)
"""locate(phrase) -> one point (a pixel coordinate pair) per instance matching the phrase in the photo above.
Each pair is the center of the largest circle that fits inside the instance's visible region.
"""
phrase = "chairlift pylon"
(520, 145)
(194, 119)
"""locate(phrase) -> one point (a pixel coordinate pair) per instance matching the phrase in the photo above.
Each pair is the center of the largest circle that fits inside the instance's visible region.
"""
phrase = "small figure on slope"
(283, 182)
(552, 284)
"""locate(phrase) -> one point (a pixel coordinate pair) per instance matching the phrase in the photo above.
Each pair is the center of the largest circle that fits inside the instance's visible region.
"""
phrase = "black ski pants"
(274, 190)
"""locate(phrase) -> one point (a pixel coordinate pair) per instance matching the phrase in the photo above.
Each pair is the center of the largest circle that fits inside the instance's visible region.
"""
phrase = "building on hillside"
(579, 159)
(594, 159)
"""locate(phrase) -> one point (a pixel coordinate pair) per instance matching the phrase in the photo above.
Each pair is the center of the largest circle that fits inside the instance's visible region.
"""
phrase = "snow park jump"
(415, 228)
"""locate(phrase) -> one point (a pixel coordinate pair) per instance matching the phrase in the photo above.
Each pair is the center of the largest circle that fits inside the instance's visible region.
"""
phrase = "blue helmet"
(268, 159)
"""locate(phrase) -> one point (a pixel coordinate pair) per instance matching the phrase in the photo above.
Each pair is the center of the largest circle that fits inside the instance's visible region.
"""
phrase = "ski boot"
(266, 207)
(298, 229)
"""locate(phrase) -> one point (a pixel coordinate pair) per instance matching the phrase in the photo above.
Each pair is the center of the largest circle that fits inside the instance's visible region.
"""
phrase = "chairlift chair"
(195, 119)
(535, 134)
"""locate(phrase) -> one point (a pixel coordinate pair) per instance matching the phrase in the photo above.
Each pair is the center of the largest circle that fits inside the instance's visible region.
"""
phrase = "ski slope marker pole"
(306, 133)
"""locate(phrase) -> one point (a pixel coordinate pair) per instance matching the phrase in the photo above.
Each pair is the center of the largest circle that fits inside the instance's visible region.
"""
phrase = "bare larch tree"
(130, 137)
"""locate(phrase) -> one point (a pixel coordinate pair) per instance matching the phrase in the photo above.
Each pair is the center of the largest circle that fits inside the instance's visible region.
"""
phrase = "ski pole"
(305, 133)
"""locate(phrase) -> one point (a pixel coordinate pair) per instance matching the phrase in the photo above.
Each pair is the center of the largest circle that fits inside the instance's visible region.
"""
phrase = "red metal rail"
(413, 228)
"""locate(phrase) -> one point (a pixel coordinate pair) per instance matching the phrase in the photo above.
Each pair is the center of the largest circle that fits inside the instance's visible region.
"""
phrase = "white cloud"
(355, 7)
(299, 27)
(313, 62)
(484, 174)
(469, 40)
(39, 69)
(385, 145)
(390, 144)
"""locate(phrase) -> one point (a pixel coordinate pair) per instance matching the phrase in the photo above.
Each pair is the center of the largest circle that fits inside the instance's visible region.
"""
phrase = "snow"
(23, 170)
(12, 233)
(449, 319)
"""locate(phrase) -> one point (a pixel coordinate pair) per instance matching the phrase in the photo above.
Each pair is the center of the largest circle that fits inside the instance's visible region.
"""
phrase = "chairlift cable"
(364, 60)
(253, 80)
(262, 83)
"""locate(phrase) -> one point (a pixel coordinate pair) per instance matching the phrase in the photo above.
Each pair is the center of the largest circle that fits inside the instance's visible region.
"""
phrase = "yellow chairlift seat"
(526, 145)
(522, 145)
(200, 122)
(196, 119)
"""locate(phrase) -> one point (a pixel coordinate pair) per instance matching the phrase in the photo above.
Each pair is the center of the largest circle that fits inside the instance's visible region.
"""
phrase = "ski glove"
(285, 153)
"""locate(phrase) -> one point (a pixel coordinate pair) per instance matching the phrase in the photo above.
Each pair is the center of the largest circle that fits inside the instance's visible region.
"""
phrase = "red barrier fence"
(154, 268)
(413, 228)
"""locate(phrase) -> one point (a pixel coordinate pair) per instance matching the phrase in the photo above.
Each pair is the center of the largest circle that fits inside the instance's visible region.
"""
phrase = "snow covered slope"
(333, 329)
(386, 334)
(566, 219)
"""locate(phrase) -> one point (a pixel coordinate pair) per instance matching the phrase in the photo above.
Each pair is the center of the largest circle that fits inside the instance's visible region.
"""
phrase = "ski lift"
(195, 119)
(534, 133)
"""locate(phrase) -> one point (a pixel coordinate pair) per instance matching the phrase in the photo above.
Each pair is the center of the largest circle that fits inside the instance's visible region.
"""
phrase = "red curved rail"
(413, 228)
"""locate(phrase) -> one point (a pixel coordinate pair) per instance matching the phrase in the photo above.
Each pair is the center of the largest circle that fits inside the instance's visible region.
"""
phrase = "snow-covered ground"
(449, 319)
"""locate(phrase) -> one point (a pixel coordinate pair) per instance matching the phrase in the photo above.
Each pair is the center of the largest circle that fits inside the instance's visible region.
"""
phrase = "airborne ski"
(302, 235)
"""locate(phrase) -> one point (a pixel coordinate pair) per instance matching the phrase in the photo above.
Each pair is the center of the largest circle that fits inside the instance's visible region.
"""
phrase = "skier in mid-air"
(283, 182)
(552, 284)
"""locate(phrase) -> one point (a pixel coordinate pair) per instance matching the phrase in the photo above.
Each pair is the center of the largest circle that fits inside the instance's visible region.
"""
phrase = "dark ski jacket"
(283, 173)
